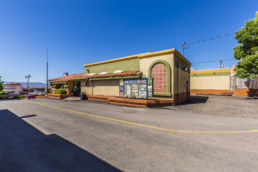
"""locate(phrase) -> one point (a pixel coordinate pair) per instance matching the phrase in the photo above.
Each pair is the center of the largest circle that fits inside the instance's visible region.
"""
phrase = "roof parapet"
(143, 55)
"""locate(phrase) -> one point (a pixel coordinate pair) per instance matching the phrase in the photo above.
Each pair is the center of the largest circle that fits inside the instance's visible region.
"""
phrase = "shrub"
(20, 96)
(1, 85)
(3, 92)
(60, 91)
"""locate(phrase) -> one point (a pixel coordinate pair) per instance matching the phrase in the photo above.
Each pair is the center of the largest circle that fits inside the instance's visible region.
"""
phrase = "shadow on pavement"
(196, 100)
(15, 99)
(27, 116)
(24, 148)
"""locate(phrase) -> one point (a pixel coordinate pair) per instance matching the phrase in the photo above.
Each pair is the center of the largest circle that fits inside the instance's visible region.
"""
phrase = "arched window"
(161, 74)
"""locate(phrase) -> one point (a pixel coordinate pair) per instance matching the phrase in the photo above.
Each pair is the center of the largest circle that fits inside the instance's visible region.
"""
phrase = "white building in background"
(13, 88)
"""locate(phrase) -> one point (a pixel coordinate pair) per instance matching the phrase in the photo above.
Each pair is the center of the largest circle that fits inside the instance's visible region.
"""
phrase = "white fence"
(251, 83)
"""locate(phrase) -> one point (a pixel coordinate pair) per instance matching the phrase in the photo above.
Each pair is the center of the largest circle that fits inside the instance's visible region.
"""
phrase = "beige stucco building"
(161, 74)
(222, 81)
(13, 88)
(213, 81)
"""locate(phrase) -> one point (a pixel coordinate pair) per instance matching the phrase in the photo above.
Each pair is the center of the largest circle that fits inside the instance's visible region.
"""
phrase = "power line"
(205, 40)
(212, 61)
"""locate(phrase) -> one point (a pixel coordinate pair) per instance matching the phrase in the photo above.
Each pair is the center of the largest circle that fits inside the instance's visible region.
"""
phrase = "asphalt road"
(54, 135)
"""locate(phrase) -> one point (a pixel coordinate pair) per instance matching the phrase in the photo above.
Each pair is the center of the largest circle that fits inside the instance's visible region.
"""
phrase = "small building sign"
(136, 87)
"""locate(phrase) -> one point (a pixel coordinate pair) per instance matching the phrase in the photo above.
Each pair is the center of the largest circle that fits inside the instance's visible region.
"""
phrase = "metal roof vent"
(91, 74)
(118, 71)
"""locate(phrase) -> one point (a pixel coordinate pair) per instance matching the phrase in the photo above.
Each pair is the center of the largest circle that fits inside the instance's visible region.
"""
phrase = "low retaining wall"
(131, 102)
(57, 96)
(97, 98)
(245, 92)
(39, 97)
(197, 91)
(235, 92)
(140, 102)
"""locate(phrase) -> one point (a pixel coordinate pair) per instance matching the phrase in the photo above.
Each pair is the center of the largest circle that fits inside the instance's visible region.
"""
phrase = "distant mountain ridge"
(25, 83)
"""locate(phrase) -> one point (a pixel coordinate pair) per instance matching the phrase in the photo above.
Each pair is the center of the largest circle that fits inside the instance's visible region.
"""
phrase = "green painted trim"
(125, 65)
(121, 77)
(168, 75)
(162, 94)
(211, 74)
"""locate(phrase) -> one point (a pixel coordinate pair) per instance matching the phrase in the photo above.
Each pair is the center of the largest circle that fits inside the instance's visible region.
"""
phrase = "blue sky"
(81, 32)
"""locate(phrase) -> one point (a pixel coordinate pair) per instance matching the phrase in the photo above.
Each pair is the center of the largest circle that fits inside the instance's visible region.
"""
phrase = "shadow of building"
(24, 148)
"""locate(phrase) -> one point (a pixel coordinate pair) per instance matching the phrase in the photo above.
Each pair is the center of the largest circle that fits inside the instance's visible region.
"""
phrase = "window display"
(136, 87)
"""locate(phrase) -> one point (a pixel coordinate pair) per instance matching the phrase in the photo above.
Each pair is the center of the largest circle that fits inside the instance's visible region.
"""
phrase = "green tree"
(247, 50)
(1, 84)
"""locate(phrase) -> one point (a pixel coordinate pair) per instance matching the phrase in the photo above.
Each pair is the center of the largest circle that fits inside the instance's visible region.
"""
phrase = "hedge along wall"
(125, 65)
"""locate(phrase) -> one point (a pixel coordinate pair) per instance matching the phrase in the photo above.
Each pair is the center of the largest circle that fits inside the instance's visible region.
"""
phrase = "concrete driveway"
(56, 135)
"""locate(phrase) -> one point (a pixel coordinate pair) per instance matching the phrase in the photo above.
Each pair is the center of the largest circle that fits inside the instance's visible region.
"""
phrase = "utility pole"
(47, 73)
(183, 46)
(221, 64)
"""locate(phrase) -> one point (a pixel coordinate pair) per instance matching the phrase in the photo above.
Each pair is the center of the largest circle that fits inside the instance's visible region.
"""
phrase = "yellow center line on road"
(144, 125)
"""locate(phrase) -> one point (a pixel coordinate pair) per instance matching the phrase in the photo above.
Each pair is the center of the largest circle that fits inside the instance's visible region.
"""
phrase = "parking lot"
(208, 133)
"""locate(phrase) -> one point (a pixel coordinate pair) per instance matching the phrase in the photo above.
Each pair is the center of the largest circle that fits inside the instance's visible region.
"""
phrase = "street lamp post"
(28, 78)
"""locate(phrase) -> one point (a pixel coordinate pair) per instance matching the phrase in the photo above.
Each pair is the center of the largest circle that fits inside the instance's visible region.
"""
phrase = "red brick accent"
(245, 92)
(38, 97)
(140, 102)
(159, 75)
(193, 91)
(57, 96)
(97, 98)
(132, 102)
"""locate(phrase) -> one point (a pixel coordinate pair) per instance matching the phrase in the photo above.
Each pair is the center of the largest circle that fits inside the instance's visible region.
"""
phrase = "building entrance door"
(76, 90)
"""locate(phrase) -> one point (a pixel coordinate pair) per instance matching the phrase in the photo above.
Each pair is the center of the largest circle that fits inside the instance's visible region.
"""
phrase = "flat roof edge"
(143, 55)
(211, 71)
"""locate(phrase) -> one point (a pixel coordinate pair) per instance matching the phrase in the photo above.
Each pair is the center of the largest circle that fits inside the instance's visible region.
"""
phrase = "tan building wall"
(145, 63)
(181, 76)
(102, 87)
(211, 82)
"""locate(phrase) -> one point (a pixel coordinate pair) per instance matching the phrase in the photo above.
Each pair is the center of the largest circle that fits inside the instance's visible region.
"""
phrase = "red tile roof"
(83, 76)
(14, 83)
(68, 77)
